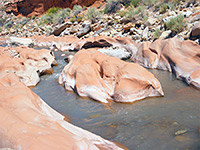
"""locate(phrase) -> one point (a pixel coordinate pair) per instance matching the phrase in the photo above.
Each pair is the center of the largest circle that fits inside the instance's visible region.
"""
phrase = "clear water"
(149, 124)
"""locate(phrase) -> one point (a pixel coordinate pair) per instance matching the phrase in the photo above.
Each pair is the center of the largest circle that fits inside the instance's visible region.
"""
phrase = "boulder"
(26, 63)
(165, 34)
(60, 28)
(27, 122)
(195, 33)
(173, 55)
(101, 77)
(84, 29)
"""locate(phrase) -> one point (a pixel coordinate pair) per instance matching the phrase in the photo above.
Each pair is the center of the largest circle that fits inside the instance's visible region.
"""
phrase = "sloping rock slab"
(28, 123)
(101, 77)
(180, 57)
(26, 63)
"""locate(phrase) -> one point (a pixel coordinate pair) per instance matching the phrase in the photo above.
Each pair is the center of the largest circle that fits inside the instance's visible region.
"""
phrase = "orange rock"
(27, 63)
(27, 122)
(173, 55)
(101, 77)
(36, 7)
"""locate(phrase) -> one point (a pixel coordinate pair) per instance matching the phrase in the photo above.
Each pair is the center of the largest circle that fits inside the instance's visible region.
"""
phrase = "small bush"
(52, 10)
(157, 33)
(112, 6)
(139, 9)
(76, 9)
(135, 2)
(164, 8)
(176, 24)
(77, 18)
(92, 14)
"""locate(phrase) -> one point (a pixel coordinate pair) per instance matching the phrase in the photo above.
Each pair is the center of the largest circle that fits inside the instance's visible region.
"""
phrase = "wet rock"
(101, 77)
(37, 124)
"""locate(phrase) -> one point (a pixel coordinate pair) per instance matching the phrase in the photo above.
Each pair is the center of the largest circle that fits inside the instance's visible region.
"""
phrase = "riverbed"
(149, 124)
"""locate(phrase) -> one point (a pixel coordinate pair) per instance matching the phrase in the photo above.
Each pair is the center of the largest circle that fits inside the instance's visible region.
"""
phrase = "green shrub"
(77, 18)
(112, 6)
(135, 2)
(164, 8)
(157, 33)
(176, 24)
(139, 9)
(92, 14)
(76, 8)
(52, 10)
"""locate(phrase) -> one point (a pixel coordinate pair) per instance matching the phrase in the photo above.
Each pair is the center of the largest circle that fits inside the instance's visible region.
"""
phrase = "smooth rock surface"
(101, 77)
(27, 63)
(174, 55)
(27, 122)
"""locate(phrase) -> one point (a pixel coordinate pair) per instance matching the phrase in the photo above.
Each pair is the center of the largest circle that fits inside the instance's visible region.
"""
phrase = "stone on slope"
(101, 77)
(195, 33)
(28, 123)
(174, 55)
(60, 28)
(26, 63)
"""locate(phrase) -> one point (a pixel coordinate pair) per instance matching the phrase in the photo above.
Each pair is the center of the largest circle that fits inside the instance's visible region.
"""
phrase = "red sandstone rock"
(27, 63)
(173, 55)
(36, 7)
(101, 77)
(28, 123)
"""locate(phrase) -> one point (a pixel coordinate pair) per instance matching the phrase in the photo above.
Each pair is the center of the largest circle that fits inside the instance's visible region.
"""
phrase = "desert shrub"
(55, 16)
(157, 33)
(8, 24)
(112, 6)
(77, 18)
(164, 8)
(52, 10)
(77, 9)
(139, 9)
(176, 24)
(135, 3)
(92, 14)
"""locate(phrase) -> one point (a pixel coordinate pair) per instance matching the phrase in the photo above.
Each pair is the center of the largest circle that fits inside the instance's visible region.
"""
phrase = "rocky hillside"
(137, 19)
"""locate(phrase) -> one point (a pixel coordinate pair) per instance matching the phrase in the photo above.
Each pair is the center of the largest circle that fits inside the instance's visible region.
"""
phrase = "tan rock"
(101, 77)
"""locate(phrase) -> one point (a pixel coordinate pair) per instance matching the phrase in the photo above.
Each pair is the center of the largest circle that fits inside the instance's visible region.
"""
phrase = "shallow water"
(149, 124)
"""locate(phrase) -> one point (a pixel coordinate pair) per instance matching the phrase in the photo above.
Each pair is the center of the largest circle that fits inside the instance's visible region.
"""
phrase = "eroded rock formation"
(36, 7)
(180, 57)
(101, 77)
(27, 63)
(27, 122)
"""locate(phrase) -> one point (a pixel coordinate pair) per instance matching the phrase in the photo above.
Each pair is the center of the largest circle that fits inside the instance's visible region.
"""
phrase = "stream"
(149, 124)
